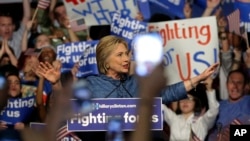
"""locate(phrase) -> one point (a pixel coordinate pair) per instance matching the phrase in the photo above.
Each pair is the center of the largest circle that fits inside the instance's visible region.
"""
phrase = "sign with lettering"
(105, 109)
(126, 27)
(99, 12)
(78, 52)
(17, 110)
(190, 46)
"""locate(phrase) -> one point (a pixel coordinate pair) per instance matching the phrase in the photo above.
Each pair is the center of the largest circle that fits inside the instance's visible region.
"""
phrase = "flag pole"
(34, 15)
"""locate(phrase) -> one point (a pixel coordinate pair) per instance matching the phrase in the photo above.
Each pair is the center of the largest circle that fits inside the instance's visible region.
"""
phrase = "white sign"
(99, 12)
(190, 46)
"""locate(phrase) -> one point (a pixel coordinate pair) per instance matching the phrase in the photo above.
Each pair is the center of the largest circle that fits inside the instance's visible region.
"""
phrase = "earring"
(107, 67)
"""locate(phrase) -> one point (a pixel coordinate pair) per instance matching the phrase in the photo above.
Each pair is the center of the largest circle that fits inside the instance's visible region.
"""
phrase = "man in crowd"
(7, 28)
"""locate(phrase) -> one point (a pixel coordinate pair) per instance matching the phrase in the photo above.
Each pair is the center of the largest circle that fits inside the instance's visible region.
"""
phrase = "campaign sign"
(78, 52)
(105, 109)
(244, 13)
(170, 7)
(190, 46)
(17, 110)
(126, 27)
(99, 12)
(226, 5)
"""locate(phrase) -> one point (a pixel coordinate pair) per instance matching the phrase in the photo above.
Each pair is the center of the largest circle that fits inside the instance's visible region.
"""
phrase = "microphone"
(122, 78)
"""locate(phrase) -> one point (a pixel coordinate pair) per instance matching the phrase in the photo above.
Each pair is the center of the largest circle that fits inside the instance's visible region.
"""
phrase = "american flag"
(235, 26)
(63, 132)
(234, 22)
(78, 25)
(236, 122)
(194, 136)
(43, 4)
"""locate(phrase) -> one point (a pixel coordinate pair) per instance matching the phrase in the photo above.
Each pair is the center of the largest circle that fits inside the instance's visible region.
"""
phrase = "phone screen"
(83, 96)
(148, 51)
(2, 82)
(114, 130)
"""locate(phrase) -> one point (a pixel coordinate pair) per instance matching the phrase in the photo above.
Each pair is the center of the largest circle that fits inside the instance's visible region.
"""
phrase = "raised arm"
(179, 91)
(13, 59)
(24, 45)
(211, 5)
(148, 89)
(26, 12)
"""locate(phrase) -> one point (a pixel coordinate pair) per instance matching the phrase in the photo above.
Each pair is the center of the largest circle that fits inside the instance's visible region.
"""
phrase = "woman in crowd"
(191, 122)
(113, 62)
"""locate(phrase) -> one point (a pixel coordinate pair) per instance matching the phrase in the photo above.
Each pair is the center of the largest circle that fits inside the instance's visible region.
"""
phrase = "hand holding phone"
(83, 96)
(148, 51)
(114, 130)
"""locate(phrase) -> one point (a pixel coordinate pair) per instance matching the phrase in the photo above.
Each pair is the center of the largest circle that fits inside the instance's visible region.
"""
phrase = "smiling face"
(14, 85)
(235, 86)
(118, 61)
(47, 55)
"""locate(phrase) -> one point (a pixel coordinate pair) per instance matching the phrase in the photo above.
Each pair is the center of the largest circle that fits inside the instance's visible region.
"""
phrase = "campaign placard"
(99, 12)
(83, 53)
(107, 108)
(17, 110)
(190, 46)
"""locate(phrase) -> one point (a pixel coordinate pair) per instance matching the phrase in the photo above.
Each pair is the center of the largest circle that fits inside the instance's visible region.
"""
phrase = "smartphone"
(114, 129)
(148, 52)
(83, 96)
(2, 82)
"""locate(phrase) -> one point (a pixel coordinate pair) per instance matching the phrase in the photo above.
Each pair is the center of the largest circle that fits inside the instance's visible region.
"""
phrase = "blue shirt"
(103, 86)
(229, 111)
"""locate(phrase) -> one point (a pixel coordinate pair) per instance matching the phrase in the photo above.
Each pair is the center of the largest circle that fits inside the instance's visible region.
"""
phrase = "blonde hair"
(104, 48)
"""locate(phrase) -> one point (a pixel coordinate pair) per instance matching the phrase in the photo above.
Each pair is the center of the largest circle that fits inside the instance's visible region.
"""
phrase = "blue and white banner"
(105, 109)
(169, 7)
(244, 13)
(99, 12)
(78, 52)
(126, 27)
(17, 110)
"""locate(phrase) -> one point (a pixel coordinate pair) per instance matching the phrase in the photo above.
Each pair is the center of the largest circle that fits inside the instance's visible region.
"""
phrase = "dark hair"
(200, 99)
(6, 14)
(158, 17)
(9, 69)
(239, 72)
(57, 5)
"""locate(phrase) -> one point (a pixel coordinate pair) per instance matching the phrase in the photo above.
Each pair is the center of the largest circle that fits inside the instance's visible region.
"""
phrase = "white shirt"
(180, 128)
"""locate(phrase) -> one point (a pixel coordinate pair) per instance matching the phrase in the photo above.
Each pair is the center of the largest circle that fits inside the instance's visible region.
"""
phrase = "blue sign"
(17, 110)
(105, 109)
(227, 5)
(168, 7)
(126, 27)
(244, 10)
(78, 52)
